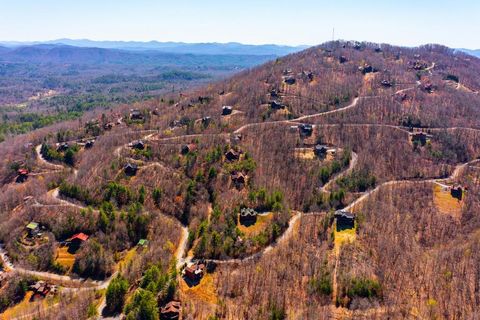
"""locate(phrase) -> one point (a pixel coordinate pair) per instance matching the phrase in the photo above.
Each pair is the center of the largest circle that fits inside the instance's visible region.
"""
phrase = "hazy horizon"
(305, 22)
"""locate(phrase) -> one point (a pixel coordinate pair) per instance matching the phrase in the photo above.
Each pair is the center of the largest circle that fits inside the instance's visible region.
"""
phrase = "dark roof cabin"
(419, 65)
(108, 126)
(386, 83)
(232, 155)
(305, 130)
(308, 75)
(239, 179)
(139, 145)
(344, 219)
(203, 100)
(320, 150)
(342, 59)
(171, 311)
(277, 105)
(427, 86)
(89, 144)
(247, 212)
(42, 288)
(367, 69)
(130, 169)
(274, 94)
(226, 110)
(206, 121)
(247, 216)
(175, 124)
(191, 147)
(357, 46)
(289, 80)
(456, 192)
(195, 272)
(63, 147)
(420, 137)
(136, 115)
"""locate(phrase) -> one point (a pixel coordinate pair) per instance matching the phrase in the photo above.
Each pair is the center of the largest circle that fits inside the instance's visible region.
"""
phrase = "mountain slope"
(338, 126)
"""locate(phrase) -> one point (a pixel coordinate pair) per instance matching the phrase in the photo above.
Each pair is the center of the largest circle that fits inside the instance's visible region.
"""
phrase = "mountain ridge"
(213, 48)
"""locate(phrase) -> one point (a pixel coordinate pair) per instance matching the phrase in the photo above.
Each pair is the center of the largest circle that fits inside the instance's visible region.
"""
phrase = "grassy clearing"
(445, 203)
(25, 307)
(204, 291)
(304, 153)
(261, 224)
(64, 258)
(344, 236)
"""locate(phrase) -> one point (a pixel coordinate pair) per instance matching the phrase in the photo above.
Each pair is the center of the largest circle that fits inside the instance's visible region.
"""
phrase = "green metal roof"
(32, 225)
(142, 242)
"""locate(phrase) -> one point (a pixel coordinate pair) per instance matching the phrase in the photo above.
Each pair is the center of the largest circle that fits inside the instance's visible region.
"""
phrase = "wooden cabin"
(136, 115)
(194, 272)
(239, 179)
(187, 148)
(139, 145)
(320, 151)
(344, 220)
(306, 130)
(171, 311)
(130, 169)
(289, 80)
(226, 110)
(22, 175)
(232, 155)
(33, 229)
(277, 105)
(457, 192)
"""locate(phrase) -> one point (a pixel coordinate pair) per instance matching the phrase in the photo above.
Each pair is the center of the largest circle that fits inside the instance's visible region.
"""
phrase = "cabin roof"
(142, 242)
(79, 236)
(32, 225)
(344, 214)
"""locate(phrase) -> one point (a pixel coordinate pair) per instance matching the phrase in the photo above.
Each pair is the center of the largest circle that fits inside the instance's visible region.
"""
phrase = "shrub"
(364, 288)
(115, 296)
(143, 306)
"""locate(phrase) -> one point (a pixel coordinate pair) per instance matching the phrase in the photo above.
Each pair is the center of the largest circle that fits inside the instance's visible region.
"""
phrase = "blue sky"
(404, 22)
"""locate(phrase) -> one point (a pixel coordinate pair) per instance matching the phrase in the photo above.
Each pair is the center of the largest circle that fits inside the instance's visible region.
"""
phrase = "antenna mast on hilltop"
(333, 35)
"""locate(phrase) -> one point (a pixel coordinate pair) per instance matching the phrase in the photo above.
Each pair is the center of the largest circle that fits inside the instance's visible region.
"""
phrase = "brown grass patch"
(24, 307)
(261, 224)
(445, 203)
(65, 258)
(205, 291)
(304, 153)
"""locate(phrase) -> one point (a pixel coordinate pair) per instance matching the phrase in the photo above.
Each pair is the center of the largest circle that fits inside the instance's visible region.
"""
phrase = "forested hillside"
(49, 83)
(340, 182)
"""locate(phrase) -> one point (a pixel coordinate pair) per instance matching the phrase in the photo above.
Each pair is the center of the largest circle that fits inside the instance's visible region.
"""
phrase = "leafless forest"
(196, 167)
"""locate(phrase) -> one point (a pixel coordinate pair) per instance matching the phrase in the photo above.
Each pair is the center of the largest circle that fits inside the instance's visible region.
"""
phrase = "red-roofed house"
(22, 175)
(79, 236)
(76, 241)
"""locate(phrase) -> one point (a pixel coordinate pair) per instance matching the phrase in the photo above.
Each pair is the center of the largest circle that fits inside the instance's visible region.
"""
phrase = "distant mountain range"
(475, 53)
(171, 47)
(66, 54)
